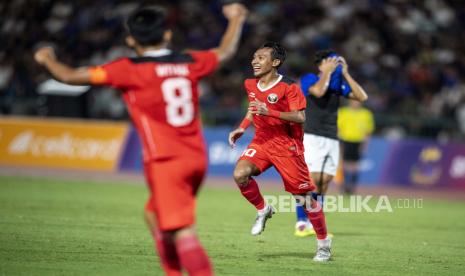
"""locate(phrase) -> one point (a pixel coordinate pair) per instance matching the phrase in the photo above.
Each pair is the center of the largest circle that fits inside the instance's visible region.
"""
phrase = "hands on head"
(330, 64)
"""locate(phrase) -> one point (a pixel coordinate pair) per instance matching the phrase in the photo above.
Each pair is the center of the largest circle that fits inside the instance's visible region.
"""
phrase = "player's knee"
(185, 232)
(149, 218)
(241, 176)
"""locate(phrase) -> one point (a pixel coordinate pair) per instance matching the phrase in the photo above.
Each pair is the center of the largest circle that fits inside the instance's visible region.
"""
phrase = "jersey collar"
(271, 85)
(157, 53)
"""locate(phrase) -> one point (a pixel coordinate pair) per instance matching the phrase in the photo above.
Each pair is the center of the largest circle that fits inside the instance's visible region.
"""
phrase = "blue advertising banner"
(374, 160)
(423, 163)
(222, 158)
(418, 163)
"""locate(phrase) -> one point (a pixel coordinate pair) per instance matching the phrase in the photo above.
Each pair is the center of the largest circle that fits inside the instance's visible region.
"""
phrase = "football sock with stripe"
(193, 257)
(168, 256)
(251, 192)
(317, 218)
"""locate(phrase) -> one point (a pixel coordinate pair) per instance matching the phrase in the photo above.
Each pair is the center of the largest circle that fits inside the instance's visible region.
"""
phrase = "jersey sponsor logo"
(272, 98)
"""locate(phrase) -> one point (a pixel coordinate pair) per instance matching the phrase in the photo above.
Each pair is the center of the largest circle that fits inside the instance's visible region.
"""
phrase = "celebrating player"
(276, 108)
(323, 92)
(160, 90)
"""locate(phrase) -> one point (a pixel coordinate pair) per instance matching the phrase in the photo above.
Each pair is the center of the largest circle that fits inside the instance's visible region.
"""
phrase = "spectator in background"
(408, 54)
(355, 125)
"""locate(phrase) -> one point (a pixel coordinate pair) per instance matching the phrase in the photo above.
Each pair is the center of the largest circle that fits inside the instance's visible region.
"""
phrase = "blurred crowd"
(408, 55)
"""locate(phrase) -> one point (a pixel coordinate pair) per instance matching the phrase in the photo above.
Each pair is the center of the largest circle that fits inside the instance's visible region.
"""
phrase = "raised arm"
(327, 67)
(78, 76)
(358, 93)
(235, 14)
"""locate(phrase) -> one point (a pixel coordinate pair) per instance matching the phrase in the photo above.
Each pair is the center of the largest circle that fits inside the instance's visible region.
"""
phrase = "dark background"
(408, 55)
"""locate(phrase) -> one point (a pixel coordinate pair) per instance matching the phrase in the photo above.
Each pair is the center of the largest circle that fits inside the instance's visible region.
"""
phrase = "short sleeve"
(116, 74)
(341, 117)
(345, 89)
(205, 62)
(296, 98)
(307, 81)
(370, 122)
(250, 95)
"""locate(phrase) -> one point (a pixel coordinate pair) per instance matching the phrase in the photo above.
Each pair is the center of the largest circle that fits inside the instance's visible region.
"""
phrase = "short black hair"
(277, 51)
(147, 25)
(323, 54)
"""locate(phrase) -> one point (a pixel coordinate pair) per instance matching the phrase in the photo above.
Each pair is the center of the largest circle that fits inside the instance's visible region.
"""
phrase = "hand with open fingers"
(43, 54)
(234, 135)
(329, 64)
(258, 107)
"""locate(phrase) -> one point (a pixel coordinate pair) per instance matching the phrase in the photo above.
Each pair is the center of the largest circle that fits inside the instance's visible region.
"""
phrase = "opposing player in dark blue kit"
(323, 93)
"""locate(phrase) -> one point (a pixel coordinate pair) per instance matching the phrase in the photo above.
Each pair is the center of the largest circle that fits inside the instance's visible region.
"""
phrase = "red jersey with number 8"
(162, 96)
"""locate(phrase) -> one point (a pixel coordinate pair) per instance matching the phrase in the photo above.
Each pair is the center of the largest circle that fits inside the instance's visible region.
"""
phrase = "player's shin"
(251, 192)
(169, 258)
(317, 218)
(193, 257)
(165, 246)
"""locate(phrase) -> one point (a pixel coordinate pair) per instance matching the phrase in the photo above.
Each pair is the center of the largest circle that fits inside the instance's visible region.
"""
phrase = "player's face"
(262, 62)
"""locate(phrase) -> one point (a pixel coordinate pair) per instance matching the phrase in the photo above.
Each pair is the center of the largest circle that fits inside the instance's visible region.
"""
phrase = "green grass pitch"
(56, 227)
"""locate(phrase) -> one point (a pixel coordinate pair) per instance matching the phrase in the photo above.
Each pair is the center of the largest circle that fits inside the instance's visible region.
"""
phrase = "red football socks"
(168, 256)
(193, 257)
(317, 218)
(252, 193)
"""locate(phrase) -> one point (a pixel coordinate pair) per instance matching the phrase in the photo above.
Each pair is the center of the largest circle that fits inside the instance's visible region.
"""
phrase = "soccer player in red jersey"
(277, 110)
(160, 90)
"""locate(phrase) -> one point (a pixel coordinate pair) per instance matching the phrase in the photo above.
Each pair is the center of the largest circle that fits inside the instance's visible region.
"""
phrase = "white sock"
(324, 243)
(262, 211)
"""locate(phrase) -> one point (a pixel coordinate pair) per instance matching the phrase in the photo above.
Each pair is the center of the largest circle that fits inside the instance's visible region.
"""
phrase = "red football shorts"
(173, 185)
(293, 169)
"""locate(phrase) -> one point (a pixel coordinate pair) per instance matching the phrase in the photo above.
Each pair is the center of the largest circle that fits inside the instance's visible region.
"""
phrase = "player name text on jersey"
(164, 70)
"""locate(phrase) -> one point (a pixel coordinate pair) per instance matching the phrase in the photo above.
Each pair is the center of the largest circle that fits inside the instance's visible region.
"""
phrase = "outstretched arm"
(358, 93)
(235, 14)
(260, 108)
(327, 67)
(78, 76)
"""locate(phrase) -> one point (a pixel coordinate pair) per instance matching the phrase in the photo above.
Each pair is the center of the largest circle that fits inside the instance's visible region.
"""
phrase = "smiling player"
(277, 109)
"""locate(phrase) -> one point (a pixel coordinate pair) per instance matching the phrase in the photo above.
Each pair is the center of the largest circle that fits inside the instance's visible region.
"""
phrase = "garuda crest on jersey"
(272, 98)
